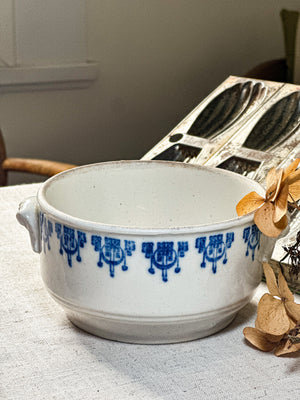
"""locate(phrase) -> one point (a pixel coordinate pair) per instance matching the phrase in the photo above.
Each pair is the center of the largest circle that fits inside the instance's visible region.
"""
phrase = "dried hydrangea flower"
(277, 312)
(283, 186)
(277, 318)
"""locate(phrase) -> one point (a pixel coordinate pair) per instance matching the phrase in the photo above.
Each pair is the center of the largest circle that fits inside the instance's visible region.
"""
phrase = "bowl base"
(149, 333)
(150, 330)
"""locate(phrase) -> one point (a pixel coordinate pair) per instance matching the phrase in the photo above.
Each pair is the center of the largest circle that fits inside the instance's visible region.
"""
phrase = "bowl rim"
(92, 226)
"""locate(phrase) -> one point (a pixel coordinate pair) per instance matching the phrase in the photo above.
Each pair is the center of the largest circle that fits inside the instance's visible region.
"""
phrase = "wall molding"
(48, 77)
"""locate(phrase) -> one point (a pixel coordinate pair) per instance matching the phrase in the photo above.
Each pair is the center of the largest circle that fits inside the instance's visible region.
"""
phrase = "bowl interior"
(148, 194)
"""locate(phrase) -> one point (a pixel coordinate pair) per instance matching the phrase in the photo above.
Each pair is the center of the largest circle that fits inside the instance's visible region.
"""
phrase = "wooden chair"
(40, 167)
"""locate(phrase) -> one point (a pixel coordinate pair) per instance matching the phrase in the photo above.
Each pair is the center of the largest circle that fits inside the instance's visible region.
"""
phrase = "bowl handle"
(28, 216)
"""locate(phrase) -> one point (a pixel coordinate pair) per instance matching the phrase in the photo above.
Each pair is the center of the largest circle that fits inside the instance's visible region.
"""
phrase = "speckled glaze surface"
(146, 251)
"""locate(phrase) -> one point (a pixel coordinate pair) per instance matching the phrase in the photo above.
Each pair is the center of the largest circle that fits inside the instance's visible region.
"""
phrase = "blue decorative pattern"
(46, 228)
(216, 249)
(164, 257)
(251, 236)
(69, 244)
(112, 253)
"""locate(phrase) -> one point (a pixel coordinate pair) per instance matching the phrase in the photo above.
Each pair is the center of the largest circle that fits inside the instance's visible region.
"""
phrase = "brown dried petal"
(286, 347)
(284, 290)
(283, 223)
(271, 280)
(281, 202)
(292, 322)
(257, 324)
(259, 339)
(273, 338)
(293, 310)
(290, 168)
(249, 203)
(263, 218)
(279, 185)
(293, 177)
(272, 317)
(294, 190)
(273, 182)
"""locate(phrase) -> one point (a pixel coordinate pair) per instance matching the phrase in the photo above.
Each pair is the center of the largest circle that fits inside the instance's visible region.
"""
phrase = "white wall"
(157, 60)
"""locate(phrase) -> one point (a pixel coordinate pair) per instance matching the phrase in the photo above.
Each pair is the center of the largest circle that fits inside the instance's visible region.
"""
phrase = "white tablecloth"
(43, 356)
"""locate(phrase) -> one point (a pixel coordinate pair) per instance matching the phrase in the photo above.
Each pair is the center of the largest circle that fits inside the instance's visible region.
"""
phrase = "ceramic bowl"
(146, 251)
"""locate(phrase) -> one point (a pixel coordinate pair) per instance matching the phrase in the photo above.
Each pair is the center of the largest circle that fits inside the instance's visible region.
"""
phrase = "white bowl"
(146, 251)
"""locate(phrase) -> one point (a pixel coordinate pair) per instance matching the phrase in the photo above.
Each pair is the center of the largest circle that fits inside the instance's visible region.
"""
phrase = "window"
(44, 43)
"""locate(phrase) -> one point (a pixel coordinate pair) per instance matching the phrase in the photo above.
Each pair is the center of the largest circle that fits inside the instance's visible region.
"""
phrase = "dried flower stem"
(293, 253)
